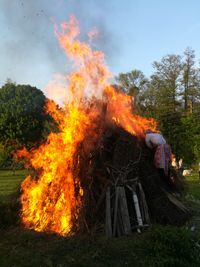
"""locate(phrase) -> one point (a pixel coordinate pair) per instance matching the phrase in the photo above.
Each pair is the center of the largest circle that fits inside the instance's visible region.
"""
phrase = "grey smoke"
(29, 47)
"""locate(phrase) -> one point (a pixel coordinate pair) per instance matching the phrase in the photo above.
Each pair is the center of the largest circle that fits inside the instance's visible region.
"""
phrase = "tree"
(190, 139)
(133, 83)
(171, 126)
(21, 114)
(166, 81)
(190, 81)
(147, 102)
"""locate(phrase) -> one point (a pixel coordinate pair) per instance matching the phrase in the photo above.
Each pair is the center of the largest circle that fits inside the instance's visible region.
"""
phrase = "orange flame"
(49, 202)
(52, 201)
(120, 111)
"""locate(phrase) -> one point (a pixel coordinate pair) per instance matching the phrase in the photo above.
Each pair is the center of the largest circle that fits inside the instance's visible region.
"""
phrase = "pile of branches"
(119, 177)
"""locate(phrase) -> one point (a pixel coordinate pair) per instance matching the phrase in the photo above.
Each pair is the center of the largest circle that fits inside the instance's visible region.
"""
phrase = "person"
(162, 151)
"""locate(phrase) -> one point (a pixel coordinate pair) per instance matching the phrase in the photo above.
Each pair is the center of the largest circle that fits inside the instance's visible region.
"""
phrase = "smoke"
(29, 49)
(29, 41)
(94, 13)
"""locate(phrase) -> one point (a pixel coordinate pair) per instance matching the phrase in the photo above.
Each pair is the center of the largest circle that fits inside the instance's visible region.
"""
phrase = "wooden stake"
(124, 212)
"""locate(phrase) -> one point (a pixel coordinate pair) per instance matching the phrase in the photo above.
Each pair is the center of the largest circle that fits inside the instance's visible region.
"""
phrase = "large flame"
(52, 200)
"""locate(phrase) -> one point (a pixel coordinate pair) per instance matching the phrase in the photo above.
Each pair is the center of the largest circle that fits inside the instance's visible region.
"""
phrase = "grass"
(9, 192)
(193, 198)
(9, 183)
(193, 186)
(157, 247)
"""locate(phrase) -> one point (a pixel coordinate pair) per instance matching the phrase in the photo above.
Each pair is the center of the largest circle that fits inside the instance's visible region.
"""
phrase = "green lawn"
(193, 186)
(193, 198)
(158, 246)
(10, 182)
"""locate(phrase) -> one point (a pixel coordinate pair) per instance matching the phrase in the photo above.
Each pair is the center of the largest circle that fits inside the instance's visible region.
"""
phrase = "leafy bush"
(7, 161)
(5, 157)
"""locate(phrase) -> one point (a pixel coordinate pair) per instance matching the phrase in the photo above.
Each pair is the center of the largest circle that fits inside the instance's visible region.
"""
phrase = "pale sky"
(134, 33)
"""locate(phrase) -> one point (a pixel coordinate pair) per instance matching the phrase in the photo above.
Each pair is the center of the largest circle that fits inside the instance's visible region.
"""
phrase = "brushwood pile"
(121, 160)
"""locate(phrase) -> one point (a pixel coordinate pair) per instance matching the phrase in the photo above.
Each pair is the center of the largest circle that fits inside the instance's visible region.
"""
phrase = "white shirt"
(154, 139)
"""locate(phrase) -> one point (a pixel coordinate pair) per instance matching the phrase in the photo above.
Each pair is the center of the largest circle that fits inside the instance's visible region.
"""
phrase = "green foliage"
(182, 133)
(190, 81)
(166, 82)
(133, 83)
(190, 139)
(21, 113)
(3, 156)
(23, 121)
(171, 127)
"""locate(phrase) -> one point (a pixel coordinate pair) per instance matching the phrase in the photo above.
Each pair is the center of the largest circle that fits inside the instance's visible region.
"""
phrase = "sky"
(133, 34)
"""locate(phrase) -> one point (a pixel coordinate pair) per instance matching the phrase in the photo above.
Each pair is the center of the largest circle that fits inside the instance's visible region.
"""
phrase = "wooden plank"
(175, 201)
(108, 214)
(144, 203)
(120, 227)
(137, 209)
(140, 200)
(115, 210)
(124, 212)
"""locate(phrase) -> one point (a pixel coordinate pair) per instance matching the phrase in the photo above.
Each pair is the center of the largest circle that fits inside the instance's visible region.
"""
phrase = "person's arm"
(163, 140)
(148, 141)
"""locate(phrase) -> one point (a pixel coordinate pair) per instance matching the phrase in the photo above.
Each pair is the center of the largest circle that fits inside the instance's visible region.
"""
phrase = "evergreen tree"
(190, 81)
(166, 82)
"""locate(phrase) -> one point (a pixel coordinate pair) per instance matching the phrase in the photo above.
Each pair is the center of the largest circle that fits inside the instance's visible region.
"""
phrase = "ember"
(98, 153)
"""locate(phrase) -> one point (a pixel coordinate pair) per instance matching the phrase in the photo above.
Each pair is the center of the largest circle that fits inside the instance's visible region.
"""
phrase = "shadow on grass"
(9, 211)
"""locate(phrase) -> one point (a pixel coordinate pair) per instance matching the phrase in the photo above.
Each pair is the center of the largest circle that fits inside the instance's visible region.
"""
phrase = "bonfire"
(96, 172)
